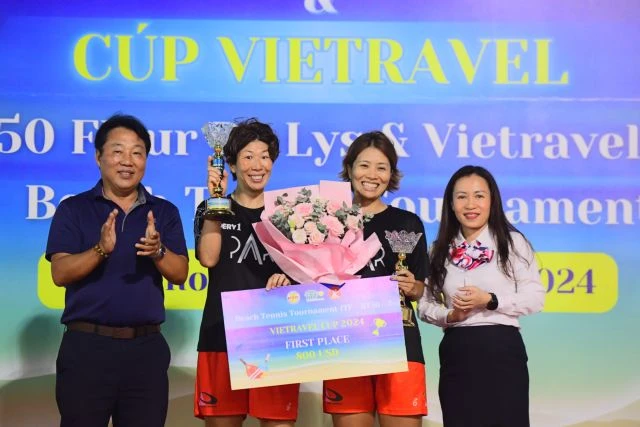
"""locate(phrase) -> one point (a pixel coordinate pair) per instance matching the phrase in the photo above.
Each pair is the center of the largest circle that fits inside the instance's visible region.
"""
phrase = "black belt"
(124, 332)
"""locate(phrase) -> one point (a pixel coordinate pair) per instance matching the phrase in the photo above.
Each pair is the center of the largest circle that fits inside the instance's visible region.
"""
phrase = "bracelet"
(99, 251)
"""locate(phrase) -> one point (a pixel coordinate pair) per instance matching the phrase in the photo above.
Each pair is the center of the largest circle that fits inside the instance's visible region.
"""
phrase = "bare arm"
(210, 241)
(173, 267)
(69, 268)
(209, 244)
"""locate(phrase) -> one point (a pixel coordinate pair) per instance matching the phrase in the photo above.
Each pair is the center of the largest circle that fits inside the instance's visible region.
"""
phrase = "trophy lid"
(402, 241)
(217, 133)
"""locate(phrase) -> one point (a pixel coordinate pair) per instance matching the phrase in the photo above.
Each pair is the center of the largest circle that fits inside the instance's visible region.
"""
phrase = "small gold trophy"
(403, 243)
(217, 133)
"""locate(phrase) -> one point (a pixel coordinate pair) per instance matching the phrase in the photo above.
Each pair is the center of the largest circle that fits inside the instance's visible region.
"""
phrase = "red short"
(402, 393)
(214, 397)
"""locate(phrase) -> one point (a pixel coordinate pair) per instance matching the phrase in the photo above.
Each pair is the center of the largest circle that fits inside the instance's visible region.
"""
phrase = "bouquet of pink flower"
(315, 221)
(314, 233)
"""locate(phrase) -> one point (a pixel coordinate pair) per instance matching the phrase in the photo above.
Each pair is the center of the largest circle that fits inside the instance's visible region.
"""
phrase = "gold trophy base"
(218, 208)
(406, 316)
(407, 311)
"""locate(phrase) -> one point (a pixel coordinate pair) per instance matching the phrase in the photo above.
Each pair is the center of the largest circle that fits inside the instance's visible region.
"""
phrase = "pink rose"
(299, 236)
(303, 209)
(332, 207)
(333, 224)
(352, 222)
(310, 227)
(316, 237)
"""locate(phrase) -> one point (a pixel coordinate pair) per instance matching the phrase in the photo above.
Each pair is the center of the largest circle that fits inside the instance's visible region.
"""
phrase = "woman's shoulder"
(518, 238)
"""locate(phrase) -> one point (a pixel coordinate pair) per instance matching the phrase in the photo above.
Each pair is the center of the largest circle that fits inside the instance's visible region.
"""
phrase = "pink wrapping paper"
(328, 262)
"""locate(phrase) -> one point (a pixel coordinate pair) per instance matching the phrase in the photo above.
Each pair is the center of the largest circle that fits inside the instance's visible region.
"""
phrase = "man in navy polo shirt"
(110, 247)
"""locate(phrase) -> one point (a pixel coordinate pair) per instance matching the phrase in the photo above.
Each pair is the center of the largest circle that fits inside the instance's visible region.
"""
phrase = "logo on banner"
(293, 297)
(319, 6)
(313, 295)
(334, 290)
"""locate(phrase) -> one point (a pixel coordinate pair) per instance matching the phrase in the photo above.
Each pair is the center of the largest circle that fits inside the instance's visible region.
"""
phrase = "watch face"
(160, 252)
(493, 304)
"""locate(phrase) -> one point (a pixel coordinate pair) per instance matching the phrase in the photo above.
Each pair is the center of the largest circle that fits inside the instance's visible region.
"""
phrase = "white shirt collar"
(485, 237)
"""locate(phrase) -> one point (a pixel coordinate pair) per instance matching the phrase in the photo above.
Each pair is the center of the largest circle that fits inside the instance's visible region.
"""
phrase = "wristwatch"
(161, 251)
(493, 303)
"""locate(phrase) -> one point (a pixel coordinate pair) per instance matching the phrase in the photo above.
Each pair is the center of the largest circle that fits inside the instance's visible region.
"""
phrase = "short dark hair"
(244, 133)
(122, 121)
(375, 139)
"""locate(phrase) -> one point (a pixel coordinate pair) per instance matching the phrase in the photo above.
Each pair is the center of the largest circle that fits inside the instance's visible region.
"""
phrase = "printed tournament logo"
(334, 290)
(313, 295)
(293, 297)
